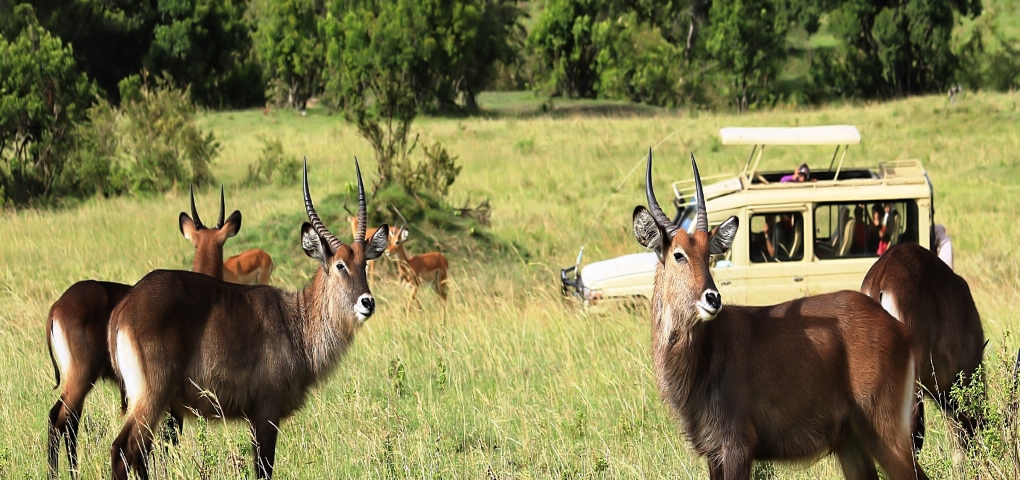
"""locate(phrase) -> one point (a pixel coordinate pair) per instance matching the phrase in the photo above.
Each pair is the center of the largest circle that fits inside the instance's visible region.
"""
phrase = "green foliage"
(203, 45)
(371, 59)
(747, 39)
(896, 50)
(993, 397)
(635, 62)
(94, 166)
(272, 162)
(589, 48)
(42, 97)
(433, 175)
(562, 44)
(163, 145)
(989, 58)
(290, 50)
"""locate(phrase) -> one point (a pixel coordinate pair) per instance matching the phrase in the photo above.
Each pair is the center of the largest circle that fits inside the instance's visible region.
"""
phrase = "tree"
(748, 40)
(372, 55)
(635, 62)
(290, 50)
(563, 44)
(897, 48)
(42, 97)
(204, 45)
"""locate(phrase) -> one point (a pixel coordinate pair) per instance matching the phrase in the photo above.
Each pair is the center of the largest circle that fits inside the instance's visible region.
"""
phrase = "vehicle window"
(777, 237)
(863, 229)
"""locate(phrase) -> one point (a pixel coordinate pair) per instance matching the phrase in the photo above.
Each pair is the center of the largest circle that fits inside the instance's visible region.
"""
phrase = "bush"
(433, 175)
(94, 167)
(42, 97)
(273, 162)
(163, 145)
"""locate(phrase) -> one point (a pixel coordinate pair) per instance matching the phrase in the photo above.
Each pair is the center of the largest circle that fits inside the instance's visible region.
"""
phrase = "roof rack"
(759, 137)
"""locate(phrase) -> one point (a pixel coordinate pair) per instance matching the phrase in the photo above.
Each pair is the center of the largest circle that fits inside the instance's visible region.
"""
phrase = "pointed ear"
(232, 225)
(722, 236)
(378, 243)
(314, 246)
(187, 226)
(403, 235)
(647, 232)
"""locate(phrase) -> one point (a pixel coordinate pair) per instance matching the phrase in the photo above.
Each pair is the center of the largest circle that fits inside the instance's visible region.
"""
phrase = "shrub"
(94, 167)
(433, 175)
(42, 97)
(162, 143)
(273, 162)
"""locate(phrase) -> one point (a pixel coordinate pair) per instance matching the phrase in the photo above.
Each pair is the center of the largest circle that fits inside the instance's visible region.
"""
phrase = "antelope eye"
(340, 266)
(679, 257)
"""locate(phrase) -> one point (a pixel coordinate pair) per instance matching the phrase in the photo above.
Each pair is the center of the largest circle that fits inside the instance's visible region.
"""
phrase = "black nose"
(713, 299)
(368, 303)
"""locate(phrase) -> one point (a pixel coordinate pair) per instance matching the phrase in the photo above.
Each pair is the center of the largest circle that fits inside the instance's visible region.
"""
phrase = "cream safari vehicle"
(795, 238)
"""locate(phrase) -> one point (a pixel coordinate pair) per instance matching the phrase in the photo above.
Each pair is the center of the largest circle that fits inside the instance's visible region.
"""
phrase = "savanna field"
(510, 379)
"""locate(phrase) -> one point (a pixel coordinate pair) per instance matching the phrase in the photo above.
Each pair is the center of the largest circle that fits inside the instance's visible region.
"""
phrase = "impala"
(428, 267)
(250, 267)
(794, 381)
(922, 291)
(76, 331)
(184, 340)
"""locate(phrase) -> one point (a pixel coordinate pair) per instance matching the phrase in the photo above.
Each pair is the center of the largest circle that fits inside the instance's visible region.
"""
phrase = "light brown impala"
(252, 352)
(922, 291)
(794, 381)
(76, 331)
(250, 267)
(428, 267)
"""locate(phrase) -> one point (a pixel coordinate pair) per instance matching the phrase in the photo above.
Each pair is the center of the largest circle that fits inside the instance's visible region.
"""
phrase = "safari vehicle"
(795, 238)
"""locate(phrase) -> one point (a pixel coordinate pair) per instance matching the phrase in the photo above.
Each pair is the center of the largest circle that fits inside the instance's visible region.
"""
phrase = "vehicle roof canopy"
(814, 135)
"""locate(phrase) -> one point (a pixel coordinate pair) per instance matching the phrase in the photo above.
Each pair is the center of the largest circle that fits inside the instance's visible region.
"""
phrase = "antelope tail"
(49, 346)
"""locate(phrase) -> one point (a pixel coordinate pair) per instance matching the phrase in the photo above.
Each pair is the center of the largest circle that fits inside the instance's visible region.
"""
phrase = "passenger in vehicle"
(875, 227)
(801, 174)
(860, 239)
(889, 233)
(777, 236)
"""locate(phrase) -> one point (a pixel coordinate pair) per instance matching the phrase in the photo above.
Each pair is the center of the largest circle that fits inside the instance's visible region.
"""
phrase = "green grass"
(513, 380)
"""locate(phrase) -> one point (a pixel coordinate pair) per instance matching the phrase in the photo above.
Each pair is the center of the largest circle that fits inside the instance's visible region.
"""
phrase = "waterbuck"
(183, 340)
(794, 381)
(918, 288)
(76, 331)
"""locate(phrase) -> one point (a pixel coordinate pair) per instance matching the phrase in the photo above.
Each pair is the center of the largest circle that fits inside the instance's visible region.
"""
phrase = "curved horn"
(653, 205)
(313, 217)
(194, 212)
(404, 220)
(223, 207)
(700, 199)
(359, 237)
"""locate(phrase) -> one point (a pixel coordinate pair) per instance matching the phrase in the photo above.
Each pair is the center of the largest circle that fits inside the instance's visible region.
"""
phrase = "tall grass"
(511, 380)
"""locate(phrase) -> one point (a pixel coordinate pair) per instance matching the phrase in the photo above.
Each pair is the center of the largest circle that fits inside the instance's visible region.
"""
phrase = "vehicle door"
(775, 261)
(847, 239)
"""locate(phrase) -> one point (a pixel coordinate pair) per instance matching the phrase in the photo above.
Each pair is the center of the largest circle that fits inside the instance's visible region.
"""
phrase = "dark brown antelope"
(919, 289)
(76, 331)
(182, 340)
(795, 381)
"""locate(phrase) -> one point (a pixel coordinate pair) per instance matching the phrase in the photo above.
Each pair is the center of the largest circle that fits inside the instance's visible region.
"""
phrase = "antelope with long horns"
(795, 381)
(919, 289)
(76, 331)
(181, 340)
